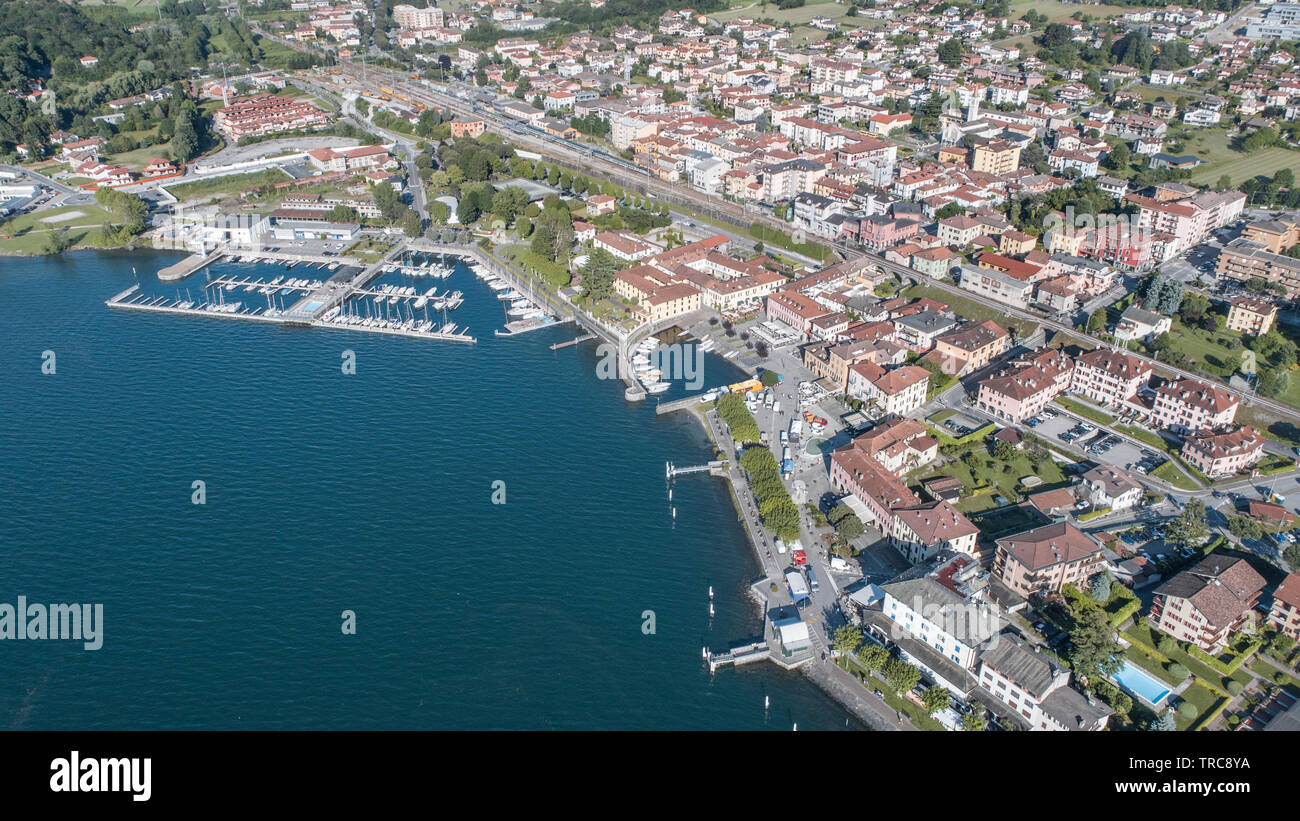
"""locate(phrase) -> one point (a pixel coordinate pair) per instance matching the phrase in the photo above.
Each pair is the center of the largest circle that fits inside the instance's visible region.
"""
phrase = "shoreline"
(818, 675)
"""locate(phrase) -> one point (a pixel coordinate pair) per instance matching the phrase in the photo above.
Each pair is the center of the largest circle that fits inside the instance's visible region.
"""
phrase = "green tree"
(1094, 649)
(1189, 528)
(1163, 722)
(1100, 589)
(848, 639)
(901, 675)
(936, 699)
(873, 657)
(950, 52)
(974, 722)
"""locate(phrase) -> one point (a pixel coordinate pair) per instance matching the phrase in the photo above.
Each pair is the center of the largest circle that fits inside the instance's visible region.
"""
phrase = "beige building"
(997, 158)
(1047, 558)
(1206, 603)
(1251, 315)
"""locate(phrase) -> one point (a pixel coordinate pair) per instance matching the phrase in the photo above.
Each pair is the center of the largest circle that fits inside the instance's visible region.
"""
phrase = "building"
(1021, 390)
(1218, 454)
(1036, 689)
(998, 157)
(996, 285)
(970, 347)
(467, 127)
(261, 114)
(921, 532)
(1206, 603)
(1243, 259)
(917, 332)
(796, 310)
(409, 17)
(1189, 405)
(855, 471)
(1251, 315)
(657, 295)
(1280, 21)
(1141, 324)
(1109, 377)
(624, 245)
(1046, 558)
(1284, 614)
(356, 158)
(1109, 487)
(899, 391)
(941, 618)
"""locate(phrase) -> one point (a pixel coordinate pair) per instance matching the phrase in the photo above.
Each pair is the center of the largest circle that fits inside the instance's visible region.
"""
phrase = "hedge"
(1126, 612)
(973, 436)
(1093, 514)
(1224, 669)
(1209, 717)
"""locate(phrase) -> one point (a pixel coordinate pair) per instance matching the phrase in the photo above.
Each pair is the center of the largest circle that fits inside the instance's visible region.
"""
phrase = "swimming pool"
(1142, 684)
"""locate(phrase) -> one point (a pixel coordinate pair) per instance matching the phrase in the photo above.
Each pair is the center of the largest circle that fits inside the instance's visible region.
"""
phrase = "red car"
(800, 557)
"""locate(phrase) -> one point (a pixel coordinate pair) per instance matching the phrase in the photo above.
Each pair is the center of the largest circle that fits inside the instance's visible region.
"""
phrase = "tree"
(1118, 158)
(848, 639)
(1178, 671)
(936, 699)
(509, 202)
(873, 657)
(1189, 528)
(1097, 321)
(1292, 556)
(950, 51)
(185, 141)
(412, 226)
(1163, 722)
(973, 722)
(1003, 451)
(1100, 589)
(1093, 639)
(850, 527)
(901, 675)
(342, 213)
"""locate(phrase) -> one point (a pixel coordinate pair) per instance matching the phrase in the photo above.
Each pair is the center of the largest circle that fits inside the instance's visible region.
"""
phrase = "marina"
(330, 293)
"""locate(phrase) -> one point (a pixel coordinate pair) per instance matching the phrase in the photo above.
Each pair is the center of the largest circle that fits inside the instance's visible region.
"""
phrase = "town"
(1013, 287)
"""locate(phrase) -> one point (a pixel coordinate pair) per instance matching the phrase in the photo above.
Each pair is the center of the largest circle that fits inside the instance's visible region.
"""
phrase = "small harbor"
(402, 294)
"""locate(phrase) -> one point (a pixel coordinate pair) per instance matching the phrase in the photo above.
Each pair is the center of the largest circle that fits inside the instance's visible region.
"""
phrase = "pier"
(716, 468)
(192, 263)
(575, 341)
(738, 656)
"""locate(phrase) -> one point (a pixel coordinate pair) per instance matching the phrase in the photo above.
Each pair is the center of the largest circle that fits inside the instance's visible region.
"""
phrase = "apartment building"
(899, 391)
(998, 157)
(928, 611)
(1108, 377)
(1037, 689)
(917, 332)
(1046, 558)
(1188, 405)
(1243, 259)
(921, 532)
(796, 310)
(1205, 604)
(854, 471)
(1251, 315)
(1284, 613)
(1223, 453)
(1021, 390)
(971, 346)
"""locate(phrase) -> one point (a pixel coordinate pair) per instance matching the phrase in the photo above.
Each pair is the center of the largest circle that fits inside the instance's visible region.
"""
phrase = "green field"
(28, 233)
(1086, 411)
(789, 17)
(1217, 148)
(231, 184)
(1056, 11)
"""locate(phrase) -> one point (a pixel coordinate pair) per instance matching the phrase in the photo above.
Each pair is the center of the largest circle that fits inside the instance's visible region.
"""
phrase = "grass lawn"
(789, 17)
(990, 477)
(1241, 167)
(1171, 474)
(1203, 699)
(1212, 352)
(140, 158)
(1149, 437)
(231, 184)
(28, 233)
(1086, 411)
(369, 250)
(1268, 672)
(1056, 11)
(970, 309)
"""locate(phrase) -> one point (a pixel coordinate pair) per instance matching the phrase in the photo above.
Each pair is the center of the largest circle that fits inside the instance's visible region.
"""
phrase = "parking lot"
(1097, 444)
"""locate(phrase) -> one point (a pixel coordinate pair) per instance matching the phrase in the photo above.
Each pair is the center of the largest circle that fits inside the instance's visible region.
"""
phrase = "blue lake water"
(369, 492)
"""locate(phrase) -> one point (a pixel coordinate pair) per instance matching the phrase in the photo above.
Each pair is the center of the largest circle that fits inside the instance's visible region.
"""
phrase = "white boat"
(511, 294)
(499, 285)
(517, 311)
(657, 387)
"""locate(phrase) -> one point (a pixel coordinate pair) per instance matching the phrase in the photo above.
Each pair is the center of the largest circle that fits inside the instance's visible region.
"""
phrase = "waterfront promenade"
(821, 669)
